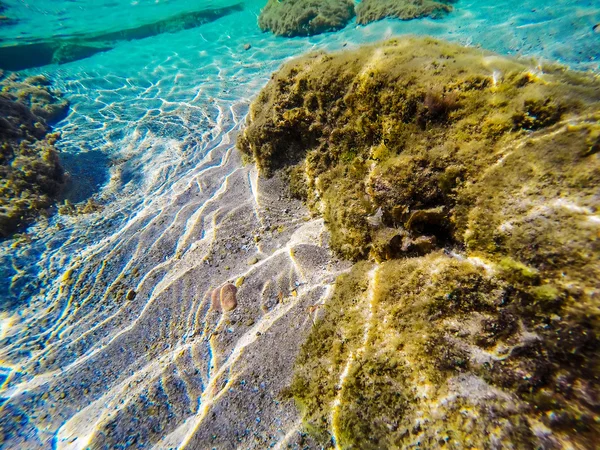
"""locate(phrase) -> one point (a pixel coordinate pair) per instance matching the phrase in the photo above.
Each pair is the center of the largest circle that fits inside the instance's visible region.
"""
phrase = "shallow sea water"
(151, 135)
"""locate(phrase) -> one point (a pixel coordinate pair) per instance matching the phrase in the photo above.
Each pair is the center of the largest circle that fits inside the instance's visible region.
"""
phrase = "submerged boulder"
(406, 128)
(372, 10)
(30, 171)
(469, 183)
(305, 17)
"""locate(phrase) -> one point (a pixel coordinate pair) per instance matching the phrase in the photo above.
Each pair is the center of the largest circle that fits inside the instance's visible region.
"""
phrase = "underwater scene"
(299, 224)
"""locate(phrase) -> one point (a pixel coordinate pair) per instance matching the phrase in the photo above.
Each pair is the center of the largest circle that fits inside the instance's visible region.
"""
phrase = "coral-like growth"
(30, 171)
(470, 181)
(305, 17)
(372, 10)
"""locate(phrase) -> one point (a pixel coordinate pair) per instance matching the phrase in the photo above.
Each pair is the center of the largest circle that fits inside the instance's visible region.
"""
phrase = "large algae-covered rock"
(305, 17)
(405, 128)
(30, 171)
(373, 10)
(470, 182)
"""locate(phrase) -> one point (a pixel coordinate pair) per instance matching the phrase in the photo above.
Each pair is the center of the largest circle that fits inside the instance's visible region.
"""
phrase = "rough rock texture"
(372, 10)
(30, 172)
(469, 182)
(305, 17)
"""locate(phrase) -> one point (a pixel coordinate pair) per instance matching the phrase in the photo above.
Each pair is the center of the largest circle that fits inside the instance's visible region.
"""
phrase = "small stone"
(131, 294)
(252, 261)
(247, 46)
(596, 28)
(239, 282)
(228, 299)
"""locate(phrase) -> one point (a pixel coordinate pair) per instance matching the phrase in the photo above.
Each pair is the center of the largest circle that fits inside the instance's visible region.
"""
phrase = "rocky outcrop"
(31, 174)
(305, 17)
(372, 10)
(465, 184)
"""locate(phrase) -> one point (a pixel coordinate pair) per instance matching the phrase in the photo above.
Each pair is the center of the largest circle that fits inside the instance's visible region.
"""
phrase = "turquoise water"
(150, 135)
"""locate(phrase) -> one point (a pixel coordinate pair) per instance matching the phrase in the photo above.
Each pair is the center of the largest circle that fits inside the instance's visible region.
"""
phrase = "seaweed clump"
(305, 17)
(465, 184)
(439, 352)
(30, 171)
(372, 10)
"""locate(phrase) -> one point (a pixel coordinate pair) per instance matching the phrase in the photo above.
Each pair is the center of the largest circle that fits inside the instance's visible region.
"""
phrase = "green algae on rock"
(406, 127)
(470, 182)
(305, 17)
(31, 174)
(372, 10)
(442, 352)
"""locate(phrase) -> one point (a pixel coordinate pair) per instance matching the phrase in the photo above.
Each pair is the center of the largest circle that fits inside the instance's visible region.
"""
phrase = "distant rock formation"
(305, 17)
(30, 171)
(372, 10)
(291, 18)
(465, 184)
(5, 20)
(60, 51)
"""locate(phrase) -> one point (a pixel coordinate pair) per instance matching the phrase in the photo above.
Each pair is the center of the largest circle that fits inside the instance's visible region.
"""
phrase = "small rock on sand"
(228, 299)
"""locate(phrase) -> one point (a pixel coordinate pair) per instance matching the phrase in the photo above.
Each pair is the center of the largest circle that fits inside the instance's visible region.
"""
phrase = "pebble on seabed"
(228, 298)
